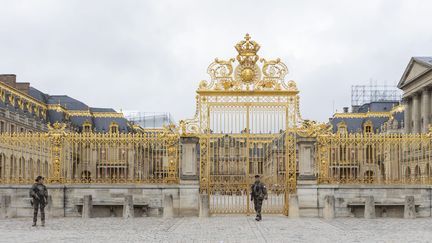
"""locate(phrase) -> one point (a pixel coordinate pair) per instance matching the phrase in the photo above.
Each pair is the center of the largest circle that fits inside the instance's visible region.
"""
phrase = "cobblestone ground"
(217, 229)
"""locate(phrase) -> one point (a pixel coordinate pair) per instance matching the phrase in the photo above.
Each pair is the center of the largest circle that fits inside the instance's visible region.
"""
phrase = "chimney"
(8, 79)
(345, 109)
(23, 87)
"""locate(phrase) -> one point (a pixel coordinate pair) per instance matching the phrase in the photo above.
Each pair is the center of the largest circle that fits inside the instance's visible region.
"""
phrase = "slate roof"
(67, 102)
(99, 124)
(356, 124)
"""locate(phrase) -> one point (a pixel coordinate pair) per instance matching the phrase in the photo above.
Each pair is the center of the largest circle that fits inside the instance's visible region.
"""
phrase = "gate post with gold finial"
(56, 133)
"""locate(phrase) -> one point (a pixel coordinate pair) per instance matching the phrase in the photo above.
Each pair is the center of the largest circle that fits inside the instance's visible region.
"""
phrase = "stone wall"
(312, 198)
(67, 200)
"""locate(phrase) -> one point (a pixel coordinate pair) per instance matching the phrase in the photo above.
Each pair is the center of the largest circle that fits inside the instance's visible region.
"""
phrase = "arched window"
(2, 165)
(408, 172)
(369, 153)
(21, 167)
(38, 168)
(427, 170)
(417, 172)
(46, 170)
(382, 169)
(31, 169)
(13, 167)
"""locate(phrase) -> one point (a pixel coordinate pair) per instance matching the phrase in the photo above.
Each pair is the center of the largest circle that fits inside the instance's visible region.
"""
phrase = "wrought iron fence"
(374, 158)
(61, 157)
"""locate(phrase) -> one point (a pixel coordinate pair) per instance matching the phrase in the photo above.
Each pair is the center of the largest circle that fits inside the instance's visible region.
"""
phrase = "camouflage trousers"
(258, 206)
(36, 206)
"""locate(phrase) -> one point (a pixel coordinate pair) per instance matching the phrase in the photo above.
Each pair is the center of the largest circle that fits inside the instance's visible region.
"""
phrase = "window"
(369, 154)
(12, 128)
(87, 126)
(114, 127)
(2, 127)
(342, 128)
(368, 127)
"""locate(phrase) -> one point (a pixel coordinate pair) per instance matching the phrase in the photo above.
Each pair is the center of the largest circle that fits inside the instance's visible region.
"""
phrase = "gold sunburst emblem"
(247, 74)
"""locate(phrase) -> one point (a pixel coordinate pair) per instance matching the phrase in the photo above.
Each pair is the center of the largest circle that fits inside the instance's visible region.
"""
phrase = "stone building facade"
(416, 83)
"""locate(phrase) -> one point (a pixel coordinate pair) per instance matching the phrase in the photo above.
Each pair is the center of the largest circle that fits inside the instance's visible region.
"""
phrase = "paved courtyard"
(217, 229)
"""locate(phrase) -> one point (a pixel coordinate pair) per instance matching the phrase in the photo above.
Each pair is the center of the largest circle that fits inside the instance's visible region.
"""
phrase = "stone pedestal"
(204, 206)
(306, 149)
(4, 205)
(409, 208)
(189, 162)
(87, 207)
(369, 212)
(128, 207)
(168, 207)
(329, 211)
(293, 206)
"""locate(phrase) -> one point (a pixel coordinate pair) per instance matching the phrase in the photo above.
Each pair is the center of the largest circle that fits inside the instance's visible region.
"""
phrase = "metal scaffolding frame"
(362, 94)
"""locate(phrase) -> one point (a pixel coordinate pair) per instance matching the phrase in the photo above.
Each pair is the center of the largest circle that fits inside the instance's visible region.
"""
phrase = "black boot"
(34, 224)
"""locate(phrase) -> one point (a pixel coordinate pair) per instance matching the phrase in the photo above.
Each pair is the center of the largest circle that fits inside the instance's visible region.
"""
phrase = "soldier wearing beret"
(39, 195)
(259, 193)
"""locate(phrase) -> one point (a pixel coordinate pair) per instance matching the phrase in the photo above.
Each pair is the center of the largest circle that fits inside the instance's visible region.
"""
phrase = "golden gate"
(246, 119)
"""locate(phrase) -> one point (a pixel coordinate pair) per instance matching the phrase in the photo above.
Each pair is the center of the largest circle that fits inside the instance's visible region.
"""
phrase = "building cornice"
(362, 115)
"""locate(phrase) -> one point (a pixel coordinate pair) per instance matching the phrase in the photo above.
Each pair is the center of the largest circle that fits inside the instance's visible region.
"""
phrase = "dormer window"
(87, 126)
(342, 128)
(114, 127)
(368, 127)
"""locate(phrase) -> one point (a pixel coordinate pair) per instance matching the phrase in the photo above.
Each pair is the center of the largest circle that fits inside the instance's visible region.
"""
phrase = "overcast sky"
(151, 55)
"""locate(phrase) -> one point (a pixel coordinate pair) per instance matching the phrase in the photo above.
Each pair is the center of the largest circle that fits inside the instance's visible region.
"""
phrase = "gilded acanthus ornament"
(312, 129)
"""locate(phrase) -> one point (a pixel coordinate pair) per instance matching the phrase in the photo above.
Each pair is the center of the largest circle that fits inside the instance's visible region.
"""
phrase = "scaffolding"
(150, 119)
(363, 94)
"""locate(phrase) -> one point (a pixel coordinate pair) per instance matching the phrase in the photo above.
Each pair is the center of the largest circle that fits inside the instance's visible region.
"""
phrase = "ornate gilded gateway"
(246, 119)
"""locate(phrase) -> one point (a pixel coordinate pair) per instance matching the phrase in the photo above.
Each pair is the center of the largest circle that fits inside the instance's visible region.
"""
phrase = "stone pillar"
(407, 114)
(415, 114)
(87, 207)
(306, 148)
(369, 212)
(425, 109)
(329, 211)
(293, 206)
(204, 206)
(128, 207)
(189, 165)
(4, 206)
(168, 207)
(409, 208)
(430, 106)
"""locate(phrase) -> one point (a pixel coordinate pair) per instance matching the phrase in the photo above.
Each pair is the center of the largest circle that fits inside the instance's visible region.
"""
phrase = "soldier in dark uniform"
(259, 193)
(39, 195)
